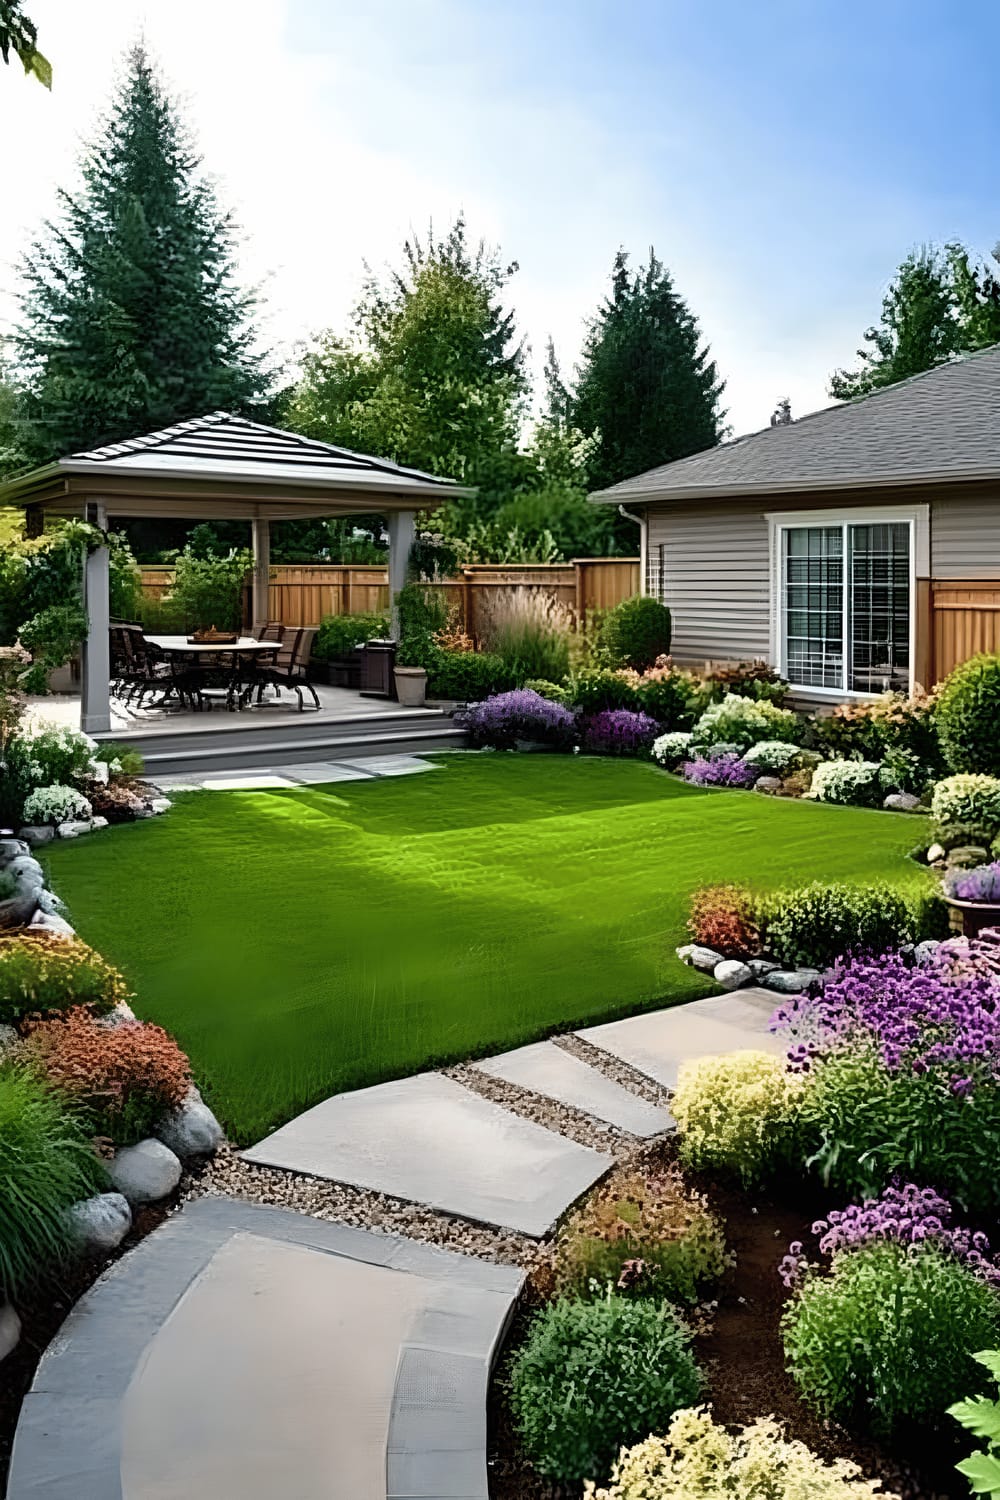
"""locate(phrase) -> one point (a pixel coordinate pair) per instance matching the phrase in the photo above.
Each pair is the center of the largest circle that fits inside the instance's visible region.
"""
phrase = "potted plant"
(411, 685)
(422, 613)
(974, 895)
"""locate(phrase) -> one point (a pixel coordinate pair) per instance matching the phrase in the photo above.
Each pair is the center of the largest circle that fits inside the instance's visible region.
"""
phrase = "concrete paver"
(550, 1070)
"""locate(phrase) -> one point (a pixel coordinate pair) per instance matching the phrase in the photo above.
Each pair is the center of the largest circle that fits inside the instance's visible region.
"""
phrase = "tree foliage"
(939, 304)
(132, 318)
(19, 34)
(646, 385)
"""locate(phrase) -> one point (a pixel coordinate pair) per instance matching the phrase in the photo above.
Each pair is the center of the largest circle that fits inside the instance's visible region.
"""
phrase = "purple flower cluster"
(722, 770)
(520, 715)
(940, 1018)
(909, 1216)
(619, 731)
(981, 883)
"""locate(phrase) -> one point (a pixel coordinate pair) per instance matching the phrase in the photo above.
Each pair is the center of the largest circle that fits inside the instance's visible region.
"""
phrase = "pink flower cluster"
(909, 1216)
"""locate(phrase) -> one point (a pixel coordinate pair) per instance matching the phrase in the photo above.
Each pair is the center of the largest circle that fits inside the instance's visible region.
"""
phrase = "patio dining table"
(205, 654)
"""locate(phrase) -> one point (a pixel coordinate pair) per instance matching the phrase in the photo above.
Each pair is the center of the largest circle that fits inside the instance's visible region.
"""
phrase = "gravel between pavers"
(612, 1067)
(563, 1119)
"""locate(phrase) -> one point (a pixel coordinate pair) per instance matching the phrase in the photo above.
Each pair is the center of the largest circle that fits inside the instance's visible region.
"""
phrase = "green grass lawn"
(299, 943)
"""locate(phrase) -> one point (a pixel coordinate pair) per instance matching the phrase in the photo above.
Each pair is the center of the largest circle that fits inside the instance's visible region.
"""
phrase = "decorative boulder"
(27, 872)
(51, 921)
(10, 1330)
(98, 822)
(37, 833)
(761, 967)
(73, 829)
(160, 805)
(146, 1172)
(790, 981)
(935, 852)
(967, 856)
(925, 952)
(731, 973)
(122, 1015)
(100, 1224)
(901, 802)
(16, 910)
(49, 901)
(11, 848)
(191, 1130)
(9, 1038)
(698, 957)
(770, 785)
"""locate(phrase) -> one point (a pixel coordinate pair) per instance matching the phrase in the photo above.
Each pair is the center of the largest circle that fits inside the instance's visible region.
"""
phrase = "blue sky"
(782, 157)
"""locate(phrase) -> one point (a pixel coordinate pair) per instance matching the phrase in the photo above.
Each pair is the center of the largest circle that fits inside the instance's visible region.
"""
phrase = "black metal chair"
(292, 664)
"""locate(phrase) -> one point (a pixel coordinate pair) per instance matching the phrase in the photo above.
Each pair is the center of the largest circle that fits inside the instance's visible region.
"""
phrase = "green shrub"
(981, 1416)
(592, 1376)
(967, 715)
(423, 613)
(121, 760)
(209, 590)
(967, 799)
(870, 730)
(742, 722)
(847, 782)
(904, 771)
(644, 1231)
(46, 1164)
(48, 974)
(812, 926)
(886, 1337)
(750, 679)
(669, 695)
(339, 635)
(634, 633)
(672, 748)
(961, 835)
(554, 691)
(737, 1112)
(593, 689)
(467, 676)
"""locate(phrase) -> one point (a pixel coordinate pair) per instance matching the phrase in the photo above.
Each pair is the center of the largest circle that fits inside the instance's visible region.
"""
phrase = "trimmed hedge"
(967, 715)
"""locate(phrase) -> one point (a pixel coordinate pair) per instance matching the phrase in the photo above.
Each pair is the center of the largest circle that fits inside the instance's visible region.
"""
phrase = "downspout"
(641, 522)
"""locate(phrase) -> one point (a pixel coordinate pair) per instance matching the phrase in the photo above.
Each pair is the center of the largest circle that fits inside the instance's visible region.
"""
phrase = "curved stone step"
(252, 1352)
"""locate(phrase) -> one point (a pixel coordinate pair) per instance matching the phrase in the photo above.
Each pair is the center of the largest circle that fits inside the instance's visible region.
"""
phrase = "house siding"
(711, 566)
(965, 536)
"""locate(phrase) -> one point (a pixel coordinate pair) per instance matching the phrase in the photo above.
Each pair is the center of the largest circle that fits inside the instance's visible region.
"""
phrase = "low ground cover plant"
(594, 1375)
(980, 1415)
(737, 1113)
(884, 1338)
(967, 713)
(700, 1459)
(506, 718)
(39, 974)
(121, 1078)
(618, 731)
(46, 1164)
(642, 1231)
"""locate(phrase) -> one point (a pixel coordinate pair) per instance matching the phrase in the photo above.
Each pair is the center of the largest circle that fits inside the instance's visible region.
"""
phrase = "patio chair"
(270, 630)
(291, 665)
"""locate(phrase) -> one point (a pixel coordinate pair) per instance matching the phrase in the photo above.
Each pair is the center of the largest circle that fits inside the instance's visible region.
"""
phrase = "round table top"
(181, 643)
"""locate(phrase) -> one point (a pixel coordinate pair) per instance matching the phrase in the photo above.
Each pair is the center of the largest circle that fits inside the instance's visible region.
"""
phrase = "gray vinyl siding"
(965, 537)
(710, 565)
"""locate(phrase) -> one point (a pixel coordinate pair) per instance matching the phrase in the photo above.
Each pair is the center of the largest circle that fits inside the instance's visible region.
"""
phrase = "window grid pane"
(813, 605)
(879, 601)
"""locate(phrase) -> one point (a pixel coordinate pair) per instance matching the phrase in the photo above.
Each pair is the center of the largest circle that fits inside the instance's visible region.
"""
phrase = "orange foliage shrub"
(723, 917)
(124, 1077)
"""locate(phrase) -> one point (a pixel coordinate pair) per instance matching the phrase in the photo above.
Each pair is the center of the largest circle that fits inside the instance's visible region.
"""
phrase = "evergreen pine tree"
(131, 316)
(646, 385)
(19, 34)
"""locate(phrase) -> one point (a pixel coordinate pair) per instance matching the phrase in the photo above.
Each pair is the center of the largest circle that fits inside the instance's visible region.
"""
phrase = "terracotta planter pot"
(411, 686)
(970, 917)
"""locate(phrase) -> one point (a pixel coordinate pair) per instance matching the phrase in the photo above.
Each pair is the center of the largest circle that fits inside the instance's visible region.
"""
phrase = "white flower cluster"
(56, 804)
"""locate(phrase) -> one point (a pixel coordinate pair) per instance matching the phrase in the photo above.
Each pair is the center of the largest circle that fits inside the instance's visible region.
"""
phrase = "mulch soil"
(742, 1358)
(43, 1309)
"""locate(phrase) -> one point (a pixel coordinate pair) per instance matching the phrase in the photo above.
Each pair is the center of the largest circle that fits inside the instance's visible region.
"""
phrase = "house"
(857, 549)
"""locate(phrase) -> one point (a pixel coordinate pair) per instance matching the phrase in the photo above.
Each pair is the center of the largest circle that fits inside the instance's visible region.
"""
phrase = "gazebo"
(215, 468)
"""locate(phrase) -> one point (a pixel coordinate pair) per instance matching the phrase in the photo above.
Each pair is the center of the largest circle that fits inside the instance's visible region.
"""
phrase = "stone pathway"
(311, 773)
(548, 1069)
(429, 1140)
(250, 1352)
(656, 1044)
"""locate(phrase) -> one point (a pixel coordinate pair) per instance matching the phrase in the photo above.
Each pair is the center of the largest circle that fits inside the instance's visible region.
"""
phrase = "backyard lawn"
(298, 943)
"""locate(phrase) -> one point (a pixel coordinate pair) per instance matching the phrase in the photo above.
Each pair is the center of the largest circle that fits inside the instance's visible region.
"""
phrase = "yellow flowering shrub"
(700, 1460)
(737, 1111)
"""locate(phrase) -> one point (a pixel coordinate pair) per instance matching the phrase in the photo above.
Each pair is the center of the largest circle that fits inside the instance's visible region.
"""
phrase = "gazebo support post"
(402, 530)
(95, 704)
(261, 529)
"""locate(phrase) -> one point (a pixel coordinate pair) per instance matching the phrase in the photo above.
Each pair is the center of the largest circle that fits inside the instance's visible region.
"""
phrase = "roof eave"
(623, 495)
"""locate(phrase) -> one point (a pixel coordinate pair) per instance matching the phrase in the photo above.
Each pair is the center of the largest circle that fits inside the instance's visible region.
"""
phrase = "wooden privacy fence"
(965, 619)
(303, 595)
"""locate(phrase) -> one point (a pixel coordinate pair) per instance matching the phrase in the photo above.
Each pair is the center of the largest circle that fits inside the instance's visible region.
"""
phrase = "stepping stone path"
(656, 1044)
(547, 1069)
(429, 1140)
(248, 1352)
(309, 773)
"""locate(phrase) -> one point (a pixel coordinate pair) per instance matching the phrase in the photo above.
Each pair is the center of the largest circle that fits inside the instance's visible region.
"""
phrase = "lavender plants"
(619, 731)
(981, 883)
(728, 769)
(506, 718)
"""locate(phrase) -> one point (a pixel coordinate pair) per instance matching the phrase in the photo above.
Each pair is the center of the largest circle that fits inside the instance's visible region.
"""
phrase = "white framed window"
(842, 597)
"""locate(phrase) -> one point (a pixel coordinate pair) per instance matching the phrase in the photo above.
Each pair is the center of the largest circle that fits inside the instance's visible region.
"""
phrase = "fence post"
(468, 605)
(580, 597)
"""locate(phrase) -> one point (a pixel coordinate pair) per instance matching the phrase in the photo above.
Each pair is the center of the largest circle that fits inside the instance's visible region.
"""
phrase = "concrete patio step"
(297, 742)
(252, 1352)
